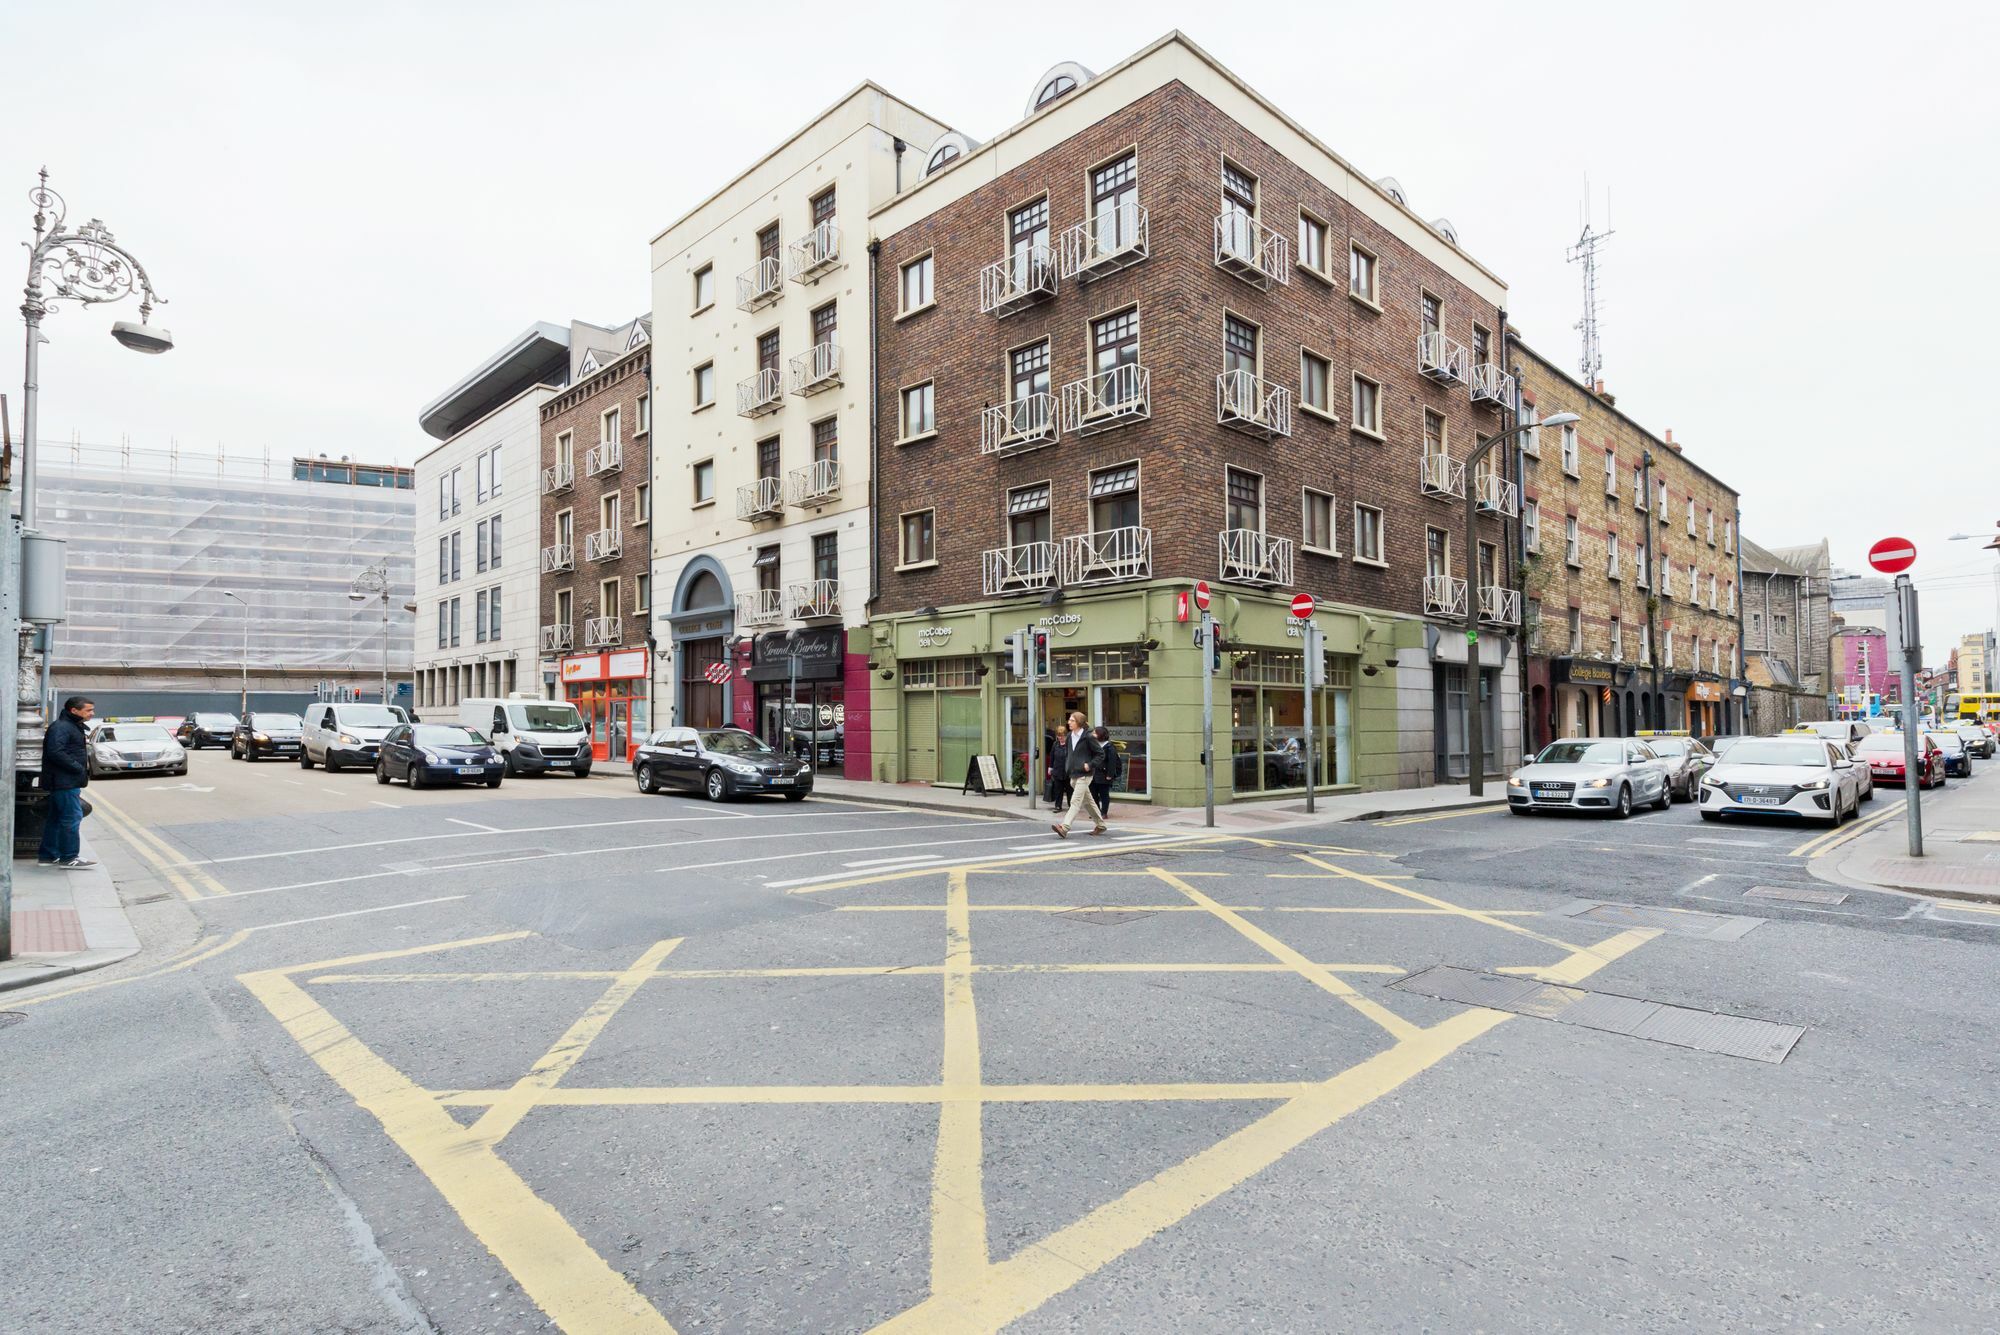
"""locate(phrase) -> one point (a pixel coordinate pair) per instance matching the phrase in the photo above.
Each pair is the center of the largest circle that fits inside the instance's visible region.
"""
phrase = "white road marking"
(300, 783)
(994, 859)
(393, 806)
(1740, 843)
(475, 825)
(352, 913)
(884, 863)
(819, 852)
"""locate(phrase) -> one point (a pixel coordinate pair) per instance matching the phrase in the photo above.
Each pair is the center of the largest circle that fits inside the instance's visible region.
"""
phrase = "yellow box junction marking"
(1832, 839)
(191, 882)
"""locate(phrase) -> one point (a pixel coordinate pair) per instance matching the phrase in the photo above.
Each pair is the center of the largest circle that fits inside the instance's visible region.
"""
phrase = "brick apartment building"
(596, 488)
(1787, 634)
(1158, 333)
(1632, 604)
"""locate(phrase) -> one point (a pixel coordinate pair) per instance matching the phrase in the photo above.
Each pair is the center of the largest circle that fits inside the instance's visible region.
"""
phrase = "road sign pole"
(1912, 647)
(1312, 689)
(1034, 721)
(1208, 715)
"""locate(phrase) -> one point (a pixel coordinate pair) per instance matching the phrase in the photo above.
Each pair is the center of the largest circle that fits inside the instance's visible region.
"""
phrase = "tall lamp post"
(374, 583)
(1475, 715)
(246, 648)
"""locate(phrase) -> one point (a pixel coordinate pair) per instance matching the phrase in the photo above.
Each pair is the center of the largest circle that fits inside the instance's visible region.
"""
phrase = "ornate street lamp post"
(374, 583)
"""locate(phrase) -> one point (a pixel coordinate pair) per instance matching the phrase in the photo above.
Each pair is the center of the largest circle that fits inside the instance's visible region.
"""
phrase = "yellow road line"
(1962, 906)
(1015, 861)
(567, 1051)
(1442, 815)
(837, 971)
(1490, 919)
(1446, 911)
(227, 943)
(958, 1194)
(1832, 839)
(147, 846)
(580, 1096)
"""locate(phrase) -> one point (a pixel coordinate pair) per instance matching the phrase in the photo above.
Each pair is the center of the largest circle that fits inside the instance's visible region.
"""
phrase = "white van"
(535, 736)
(337, 735)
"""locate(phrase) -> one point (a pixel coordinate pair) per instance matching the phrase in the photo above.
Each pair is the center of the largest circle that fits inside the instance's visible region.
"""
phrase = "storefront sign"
(1295, 627)
(1064, 624)
(818, 652)
(625, 663)
(1705, 690)
(932, 636)
(583, 667)
(619, 665)
(1592, 672)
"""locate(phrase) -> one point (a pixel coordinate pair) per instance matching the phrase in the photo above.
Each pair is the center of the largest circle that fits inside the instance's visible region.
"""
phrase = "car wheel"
(381, 773)
(1711, 815)
(305, 761)
(1624, 807)
(413, 776)
(493, 782)
(1522, 811)
(717, 787)
(795, 797)
(182, 771)
(332, 765)
(1666, 797)
(1868, 793)
(644, 775)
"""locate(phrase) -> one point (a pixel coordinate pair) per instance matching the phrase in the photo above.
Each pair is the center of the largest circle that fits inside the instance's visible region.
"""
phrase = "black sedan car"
(422, 754)
(719, 762)
(202, 730)
(259, 734)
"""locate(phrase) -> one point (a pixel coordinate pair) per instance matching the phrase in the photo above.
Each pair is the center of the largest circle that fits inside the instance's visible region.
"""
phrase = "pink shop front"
(805, 693)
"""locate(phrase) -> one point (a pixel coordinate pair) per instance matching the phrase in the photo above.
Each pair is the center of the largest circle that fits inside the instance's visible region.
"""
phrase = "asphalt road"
(565, 1057)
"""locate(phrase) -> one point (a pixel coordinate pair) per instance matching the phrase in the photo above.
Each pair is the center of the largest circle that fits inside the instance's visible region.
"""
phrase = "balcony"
(760, 394)
(1442, 359)
(760, 607)
(603, 545)
(1116, 238)
(815, 484)
(1109, 398)
(558, 639)
(1017, 282)
(1254, 406)
(814, 600)
(760, 285)
(814, 253)
(762, 499)
(600, 632)
(1496, 495)
(1492, 385)
(1441, 475)
(1499, 606)
(1444, 596)
(604, 457)
(1251, 557)
(817, 370)
(1025, 424)
(557, 557)
(558, 478)
(1018, 569)
(1106, 556)
(1250, 250)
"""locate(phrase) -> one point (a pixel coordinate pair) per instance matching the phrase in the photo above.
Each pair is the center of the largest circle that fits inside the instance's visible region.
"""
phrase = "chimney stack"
(1670, 441)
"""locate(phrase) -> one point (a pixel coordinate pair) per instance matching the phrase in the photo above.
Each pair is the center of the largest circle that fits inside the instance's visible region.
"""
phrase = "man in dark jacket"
(1109, 768)
(65, 774)
(1085, 755)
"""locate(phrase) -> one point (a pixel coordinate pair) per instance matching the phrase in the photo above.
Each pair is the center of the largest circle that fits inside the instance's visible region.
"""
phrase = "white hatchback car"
(1794, 775)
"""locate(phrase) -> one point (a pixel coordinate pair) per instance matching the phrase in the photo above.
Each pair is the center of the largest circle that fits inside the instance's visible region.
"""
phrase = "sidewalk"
(1233, 818)
(65, 922)
(1961, 845)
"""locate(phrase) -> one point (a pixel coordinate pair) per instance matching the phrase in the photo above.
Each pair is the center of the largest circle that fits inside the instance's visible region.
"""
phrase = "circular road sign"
(1302, 605)
(1892, 556)
(1201, 594)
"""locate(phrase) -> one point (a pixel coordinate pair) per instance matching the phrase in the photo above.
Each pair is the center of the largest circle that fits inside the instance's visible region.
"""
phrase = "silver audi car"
(1608, 775)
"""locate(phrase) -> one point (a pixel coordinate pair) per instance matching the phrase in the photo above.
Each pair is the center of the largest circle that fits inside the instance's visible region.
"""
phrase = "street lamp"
(374, 583)
(246, 648)
(1476, 718)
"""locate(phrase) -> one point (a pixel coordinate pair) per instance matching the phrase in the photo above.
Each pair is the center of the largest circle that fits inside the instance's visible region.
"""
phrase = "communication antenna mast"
(1584, 252)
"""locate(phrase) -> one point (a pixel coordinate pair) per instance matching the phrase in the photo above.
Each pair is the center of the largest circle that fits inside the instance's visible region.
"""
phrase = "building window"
(826, 556)
(479, 548)
(1728, 535)
(565, 607)
(608, 427)
(916, 284)
(1432, 311)
(822, 206)
(1317, 522)
(704, 482)
(1617, 639)
(1028, 515)
(1027, 238)
(644, 418)
(444, 558)
(1367, 406)
(1711, 526)
(766, 566)
(768, 351)
(1531, 525)
(1245, 500)
(1435, 441)
(1054, 89)
(1239, 191)
(1361, 274)
(1572, 542)
(1437, 552)
(1315, 373)
(1239, 346)
(607, 512)
(1114, 498)
(1570, 464)
(704, 384)
(1367, 533)
(1611, 555)
(444, 624)
(1027, 381)
(919, 539)
(566, 452)
(493, 613)
(1611, 476)
(444, 495)
(610, 598)
(454, 623)
(479, 483)
(1312, 243)
(1482, 347)
(1531, 442)
(825, 323)
(704, 287)
(769, 243)
(642, 592)
(767, 458)
(1114, 342)
(919, 410)
(1576, 630)
(1690, 516)
(642, 503)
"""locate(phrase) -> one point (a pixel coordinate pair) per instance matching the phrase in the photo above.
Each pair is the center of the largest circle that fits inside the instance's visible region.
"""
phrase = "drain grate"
(1793, 893)
(11, 1017)
(1676, 922)
(1106, 917)
(1633, 1017)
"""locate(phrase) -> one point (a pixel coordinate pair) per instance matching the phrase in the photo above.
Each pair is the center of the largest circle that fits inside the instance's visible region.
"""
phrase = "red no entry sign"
(1201, 594)
(1302, 605)
(1892, 556)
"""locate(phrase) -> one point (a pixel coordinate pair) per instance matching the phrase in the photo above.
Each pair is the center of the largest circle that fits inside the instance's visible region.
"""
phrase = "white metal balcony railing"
(1499, 605)
(814, 600)
(1017, 569)
(558, 639)
(1109, 398)
(1251, 557)
(1497, 495)
(603, 545)
(1250, 250)
(814, 253)
(1442, 359)
(760, 285)
(760, 393)
(1112, 240)
(1492, 385)
(1444, 595)
(1441, 475)
(816, 370)
(1107, 555)
(604, 457)
(1247, 403)
(1008, 428)
(815, 484)
(558, 556)
(1017, 281)
(601, 631)
(761, 499)
(760, 607)
(558, 478)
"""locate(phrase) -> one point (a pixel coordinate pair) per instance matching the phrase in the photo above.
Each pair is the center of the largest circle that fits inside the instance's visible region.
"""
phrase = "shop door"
(959, 732)
(920, 736)
(618, 720)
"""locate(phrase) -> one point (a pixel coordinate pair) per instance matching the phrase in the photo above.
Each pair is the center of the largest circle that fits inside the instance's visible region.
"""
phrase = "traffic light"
(1042, 654)
(1017, 651)
(1215, 648)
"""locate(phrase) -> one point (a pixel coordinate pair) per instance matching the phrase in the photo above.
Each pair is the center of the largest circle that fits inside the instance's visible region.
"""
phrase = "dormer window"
(1054, 89)
(940, 158)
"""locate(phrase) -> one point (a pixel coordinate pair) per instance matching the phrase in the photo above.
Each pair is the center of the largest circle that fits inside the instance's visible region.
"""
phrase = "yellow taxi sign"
(1662, 732)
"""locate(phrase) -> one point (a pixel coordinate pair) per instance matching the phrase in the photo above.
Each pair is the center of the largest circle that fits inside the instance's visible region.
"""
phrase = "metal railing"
(815, 252)
(814, 600)
(603, 457)
(760, 285)
(1017, 569)
(1021, 425)
(1444, 595)
(1250, 250)
(1107, 555)
(1441, 475)
(558, 556)
(1113, 239)
(760, 607)
(1107, 399)
(1499, 605)
(558, 478)
(760, 393)
(817, 369)
(1441, 358)
(760, 499)
(1245, 402)
(1492, 385)
(1018, 281)
(1497, 495)
(816, 483)
(600, 631)
(603, 545)
(558, 639)
(1253, 557)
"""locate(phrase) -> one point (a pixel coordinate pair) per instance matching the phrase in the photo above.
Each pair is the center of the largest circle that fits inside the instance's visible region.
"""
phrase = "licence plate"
(1549, 793)
(778, 780)
(1754, 800)
(471, 769)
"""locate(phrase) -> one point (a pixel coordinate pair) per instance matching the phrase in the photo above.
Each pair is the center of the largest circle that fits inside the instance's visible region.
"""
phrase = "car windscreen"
(215, 720)
(134, 732)
(280, 721)
(1582, 753)
(1950, 741)
(365, 716)
(547, 718)
(439, 734)
(1879, 744)
(1668, 746)
(732, 742)
(1778, 751)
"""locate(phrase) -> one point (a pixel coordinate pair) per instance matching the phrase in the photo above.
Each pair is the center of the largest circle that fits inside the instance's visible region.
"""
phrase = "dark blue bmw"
(422, 754)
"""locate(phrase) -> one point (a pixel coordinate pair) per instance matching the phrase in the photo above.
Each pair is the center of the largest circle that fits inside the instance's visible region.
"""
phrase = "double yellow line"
(1823, 844)
(1489, 808)
(192, 882)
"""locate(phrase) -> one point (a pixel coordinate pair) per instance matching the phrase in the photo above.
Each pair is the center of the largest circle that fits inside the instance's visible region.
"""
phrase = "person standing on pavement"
(1055, 784)
(1085, 755)
(65, 774)
(1107, 771)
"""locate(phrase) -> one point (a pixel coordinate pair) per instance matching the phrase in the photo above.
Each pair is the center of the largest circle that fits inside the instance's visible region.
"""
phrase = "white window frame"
(1572, 542)
(1531, 525)
(1305, 405)
(903, 560)
(1611, 475)
(929, 390)
(1306, 496)
(1572, 463)
(1371, 429)
(926, 264)
(696, 375)
(695, 472)
(1362, 555)
(706, 271)
(1372, 298)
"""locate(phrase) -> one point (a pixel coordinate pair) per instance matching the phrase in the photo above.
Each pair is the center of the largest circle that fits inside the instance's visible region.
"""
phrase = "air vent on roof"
(1443, 227)
(1393, 188)
(1061, 80)
(949, 148)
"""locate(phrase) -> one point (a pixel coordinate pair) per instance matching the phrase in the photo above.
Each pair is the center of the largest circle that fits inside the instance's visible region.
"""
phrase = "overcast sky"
(349, 206)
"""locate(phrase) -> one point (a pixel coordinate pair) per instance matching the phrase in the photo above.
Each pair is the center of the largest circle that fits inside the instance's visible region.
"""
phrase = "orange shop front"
(609, 690)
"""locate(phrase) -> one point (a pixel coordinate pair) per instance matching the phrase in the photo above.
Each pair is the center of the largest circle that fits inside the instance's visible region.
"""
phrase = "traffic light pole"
(1913, 740)
(1208, 716)
(1034, 719)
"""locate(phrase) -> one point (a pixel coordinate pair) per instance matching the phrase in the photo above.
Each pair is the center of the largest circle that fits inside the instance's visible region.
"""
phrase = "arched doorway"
(704, 623)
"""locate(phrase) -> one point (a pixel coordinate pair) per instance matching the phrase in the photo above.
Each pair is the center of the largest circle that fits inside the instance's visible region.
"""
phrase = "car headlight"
(1517, 780)
(259, 737)
(346, 740)
(432, 758)
(526, 745)
(739, 766)
(1710, 781)
(106, 753)
(1597, 783)
(1811, 785)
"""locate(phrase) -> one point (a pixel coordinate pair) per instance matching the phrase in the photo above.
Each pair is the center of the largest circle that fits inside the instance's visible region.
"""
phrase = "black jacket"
(65, 756)
(1085, 756)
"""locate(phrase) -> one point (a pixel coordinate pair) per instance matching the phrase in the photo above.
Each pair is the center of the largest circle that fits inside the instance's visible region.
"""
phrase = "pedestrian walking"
(65, 774)
(1085, 755)
(1107, 773)
(1055, 778)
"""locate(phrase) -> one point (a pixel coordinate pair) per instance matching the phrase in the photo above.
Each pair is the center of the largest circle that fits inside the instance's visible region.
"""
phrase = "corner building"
(1157, 333)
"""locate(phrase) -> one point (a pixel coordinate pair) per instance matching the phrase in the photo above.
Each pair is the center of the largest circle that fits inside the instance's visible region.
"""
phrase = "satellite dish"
(1443, 227)
(1393, 188)
(1062, 79)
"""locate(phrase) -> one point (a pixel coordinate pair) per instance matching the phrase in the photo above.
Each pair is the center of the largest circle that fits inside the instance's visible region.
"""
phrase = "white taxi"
(1806, 777)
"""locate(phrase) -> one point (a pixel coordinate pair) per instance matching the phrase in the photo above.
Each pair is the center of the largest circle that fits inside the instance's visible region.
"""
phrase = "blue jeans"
(60, 822)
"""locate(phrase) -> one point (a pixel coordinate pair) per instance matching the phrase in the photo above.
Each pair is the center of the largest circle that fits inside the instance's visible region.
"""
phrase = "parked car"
(1604, 774)
(533, 736)
(1802, 776)
(135, 748)
(1957, 759)
(720, 762)
(337, 735)
(1838, 730)
(202, 730)
(1719, 746)
(1978, 740)
(259, 734)
(422, 754)
(1861, 768)
(1686, 760)
(1882, 754)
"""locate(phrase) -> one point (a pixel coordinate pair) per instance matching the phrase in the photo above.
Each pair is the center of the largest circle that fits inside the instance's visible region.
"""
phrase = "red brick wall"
(579, 410)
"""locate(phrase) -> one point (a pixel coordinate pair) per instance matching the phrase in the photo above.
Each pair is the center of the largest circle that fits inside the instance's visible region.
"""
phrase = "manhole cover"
(11, 1017)
(1106, 917)
(1792, 893)
(1677, 922)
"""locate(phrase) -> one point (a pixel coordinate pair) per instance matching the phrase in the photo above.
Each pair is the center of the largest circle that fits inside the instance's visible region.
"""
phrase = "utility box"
(44, 579)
